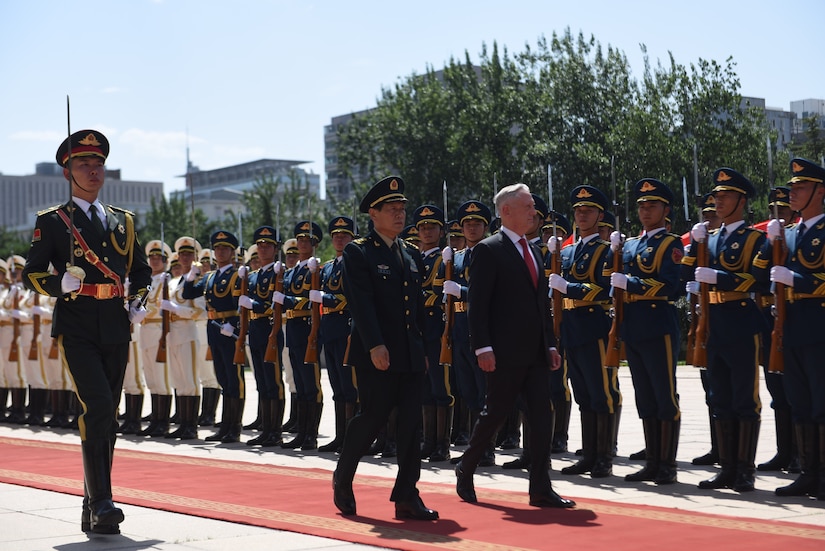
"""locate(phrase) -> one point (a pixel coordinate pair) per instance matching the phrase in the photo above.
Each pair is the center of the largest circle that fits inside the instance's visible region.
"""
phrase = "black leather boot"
(508, 437)
(784, 442)
(340, 426)
(588, 459)
(164, 410)
(443, 424)
(428, 425)
(4, 399)
(807, 437)
(649, 472)
(134, 407)
(233, 432)
(17, 414)
(301, 415)
(223, 430)
(209, 406)
(258, 423)
(605, 434)
(189, 425)
(60, 416)
(712, 457)
(277, 413)
(265, 413)
(561, 425)
(153, 417)
(726, 440)
(746, 452)
(104, 517)
(291, 425)
(315, 409)
(37, 407)
(669, 443)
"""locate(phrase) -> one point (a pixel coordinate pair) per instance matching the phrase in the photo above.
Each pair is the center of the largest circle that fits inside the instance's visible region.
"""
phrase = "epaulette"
(119, 209)
(360, 241)
(50, 209)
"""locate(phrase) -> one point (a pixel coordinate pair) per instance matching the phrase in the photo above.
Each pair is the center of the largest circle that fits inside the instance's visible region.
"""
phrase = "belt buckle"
(567, 303)
(714, 297)
(91, 256)
(104, 291)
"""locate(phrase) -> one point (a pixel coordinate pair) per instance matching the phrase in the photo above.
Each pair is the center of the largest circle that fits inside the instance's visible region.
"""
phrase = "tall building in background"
(338, 186)
(219, 192)
(22, 197)
(807, 108)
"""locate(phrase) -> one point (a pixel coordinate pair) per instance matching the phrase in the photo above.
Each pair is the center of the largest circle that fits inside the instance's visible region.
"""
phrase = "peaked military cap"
(560, 220)
(727, 179)
(474, 210)
(15, 262)
(540, 205)
(4, 267)
(303, 229)
(608, 220)
(224, 238)
(341, 224)
(387, 190)
(708, 202)
(84, 143)
(174, 260)
(157, 247)
(779, 196)
(428, 214)
(187, 244)
(251, 253)
(651, 189)
(804, 170)
(410, 234)
(454, 229)
(205, 257)
(588, 196)
(290, 246)
(266, 234)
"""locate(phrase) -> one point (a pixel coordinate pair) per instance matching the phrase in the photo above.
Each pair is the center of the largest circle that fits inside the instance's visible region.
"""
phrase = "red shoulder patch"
(677, 255)
(36, 235)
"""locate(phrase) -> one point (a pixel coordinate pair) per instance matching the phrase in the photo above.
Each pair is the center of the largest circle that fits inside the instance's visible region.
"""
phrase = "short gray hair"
(507, 192)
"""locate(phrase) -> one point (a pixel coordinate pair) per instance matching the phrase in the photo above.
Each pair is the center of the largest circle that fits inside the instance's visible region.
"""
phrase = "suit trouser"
(379, 392)
(503, 388)
(97, 371)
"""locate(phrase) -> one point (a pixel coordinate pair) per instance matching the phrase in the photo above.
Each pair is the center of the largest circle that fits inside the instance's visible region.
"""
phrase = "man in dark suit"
(382, 283)
(516, 351)
(89, 321)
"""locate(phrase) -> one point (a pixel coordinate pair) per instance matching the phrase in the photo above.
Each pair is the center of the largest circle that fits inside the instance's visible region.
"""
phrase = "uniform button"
(104, 244)
(653, 306)
(407, 312)
(405, 284)
(105, 259)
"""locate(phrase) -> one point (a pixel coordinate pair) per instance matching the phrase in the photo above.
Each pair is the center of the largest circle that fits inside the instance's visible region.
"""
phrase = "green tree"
(13, 243)
(175, 216)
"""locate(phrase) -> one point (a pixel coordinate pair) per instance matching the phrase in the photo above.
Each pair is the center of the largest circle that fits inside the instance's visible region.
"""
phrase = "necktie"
(96, 221)
(528, 259)
(723, 233)
(799, 231)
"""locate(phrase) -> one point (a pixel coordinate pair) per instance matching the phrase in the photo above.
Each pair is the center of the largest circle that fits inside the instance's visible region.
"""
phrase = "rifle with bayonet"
(776, 363)
(165, 316)
(243, 328)
(555, 258)
(311, 354)
(34, 344)
(613, 353)
(445, 356)
(14, 352)
(271, 354)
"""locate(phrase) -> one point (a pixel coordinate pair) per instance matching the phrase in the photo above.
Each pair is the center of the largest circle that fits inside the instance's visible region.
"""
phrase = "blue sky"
(260, 79)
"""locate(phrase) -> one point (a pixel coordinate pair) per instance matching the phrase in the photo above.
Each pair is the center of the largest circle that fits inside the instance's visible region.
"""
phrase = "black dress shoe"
(464, 486)
(520, 463)
(414, 509)
(343, 498)
(552, 500)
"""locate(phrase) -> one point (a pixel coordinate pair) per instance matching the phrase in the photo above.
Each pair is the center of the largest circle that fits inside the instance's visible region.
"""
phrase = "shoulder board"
(360, 241)
(667, 238)
(754, 230)
(118, 209)
(50, 209)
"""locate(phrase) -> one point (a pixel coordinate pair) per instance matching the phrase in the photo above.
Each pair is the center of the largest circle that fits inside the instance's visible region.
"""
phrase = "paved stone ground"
(36, 520)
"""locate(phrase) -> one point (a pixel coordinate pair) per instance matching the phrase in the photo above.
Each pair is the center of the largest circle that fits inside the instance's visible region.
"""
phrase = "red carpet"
(300, 500)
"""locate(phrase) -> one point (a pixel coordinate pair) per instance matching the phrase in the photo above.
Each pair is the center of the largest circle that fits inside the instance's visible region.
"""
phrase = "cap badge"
(426, 212)
(472, 207)
(583, 194)
(647, 186)
(90, 139)
(340, 222)
(394, 185)
(796, 167)
(723, 176)
(305, 226)
(266, 231)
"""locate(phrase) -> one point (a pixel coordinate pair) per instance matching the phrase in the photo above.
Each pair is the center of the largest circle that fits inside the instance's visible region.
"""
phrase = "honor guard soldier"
(584, 328)
(382, 282)
(335, 329)
(221, 288)
(90, 322)
(5, 338)
(410, 235)
(182, 342)
(650, 328)
(803, 277)
(290, 259)
(210, 388)
(156, 373)
(562, 226)
(455, 235)
(295, 300)
(734, 329)
(258, 301)
(251, 258)
(786, 456)
(15, 358)
(607, 225)
(437, 411)
(474, 217)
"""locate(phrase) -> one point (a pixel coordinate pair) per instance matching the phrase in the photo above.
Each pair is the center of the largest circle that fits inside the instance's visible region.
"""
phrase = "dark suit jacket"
(385, 301)
(504, 310)
(105, 321)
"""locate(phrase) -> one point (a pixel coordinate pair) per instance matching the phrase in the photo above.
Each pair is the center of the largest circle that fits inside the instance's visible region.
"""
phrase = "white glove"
(136, 312)
(699, 232)
(244, 301)
(168, 306)
(692, 287)
(452, 288)
(68, 283)
(617, 279)
(775, 228)
(312, 264)
(316, 296)
(552, 245)
(705, 275)
(277, 267)
(19, 315)
(242, 271)
(42, 311)
(227, 330)
(193, 273)
(447, 254)
(278, 297)
(557, 282)
(616, 240)
(781, 274)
